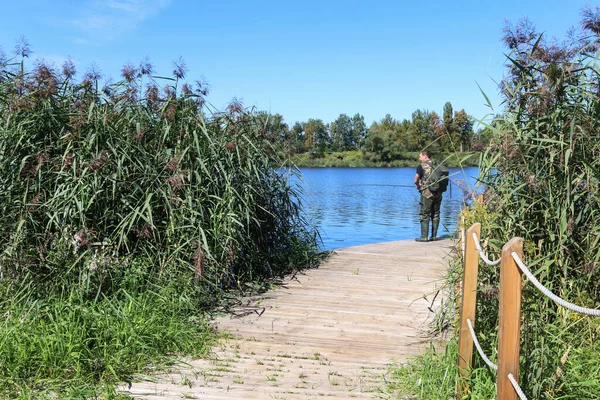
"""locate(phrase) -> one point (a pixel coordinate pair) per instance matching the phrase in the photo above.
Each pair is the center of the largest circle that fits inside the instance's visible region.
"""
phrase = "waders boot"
(424, 230)
(434, 229)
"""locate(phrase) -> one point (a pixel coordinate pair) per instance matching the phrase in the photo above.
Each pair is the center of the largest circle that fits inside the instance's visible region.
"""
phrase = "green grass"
(431, 376)
(66, 344)
(434, 376)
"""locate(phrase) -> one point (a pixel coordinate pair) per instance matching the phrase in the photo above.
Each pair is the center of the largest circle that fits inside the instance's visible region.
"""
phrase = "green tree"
(359, 131)
(448, 115)
(341, 134)
(275, 129)
(335, 139)
(463, 125)
(423, 130)
(298, 137)
(450, 137)
(316, 135)
(384, 141)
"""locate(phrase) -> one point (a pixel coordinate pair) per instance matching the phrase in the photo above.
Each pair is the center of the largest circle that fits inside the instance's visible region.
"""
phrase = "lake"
(354, 206)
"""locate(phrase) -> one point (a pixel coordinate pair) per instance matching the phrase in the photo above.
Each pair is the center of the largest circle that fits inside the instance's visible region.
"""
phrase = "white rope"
(515, 384)
(548, 293)
(479, 350)
(482, 254)
(493, 366)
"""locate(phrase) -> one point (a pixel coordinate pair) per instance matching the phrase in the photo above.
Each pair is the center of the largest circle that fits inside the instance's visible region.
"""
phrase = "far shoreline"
(354, 159)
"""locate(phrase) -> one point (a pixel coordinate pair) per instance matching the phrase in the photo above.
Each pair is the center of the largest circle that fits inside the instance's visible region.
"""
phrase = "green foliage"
(128, 212)
(389, 138)
(297, 137)
(97, 174)
(545, 181)
(347, 159)
(341, 134)
(316, 135)
(333, 159)
(434, 376)
(347, 133)
(541, 175)
(542, 179)
(382, 142)
(359, 130)
(422, 131)
(66, 342)
(408, 379)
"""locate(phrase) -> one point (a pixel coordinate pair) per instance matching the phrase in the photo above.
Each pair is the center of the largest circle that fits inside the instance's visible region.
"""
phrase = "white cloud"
(91, 23)
(110, 19)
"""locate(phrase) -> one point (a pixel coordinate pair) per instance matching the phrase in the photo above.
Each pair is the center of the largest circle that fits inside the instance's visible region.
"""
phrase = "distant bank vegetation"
(357, 159)
(348, 141)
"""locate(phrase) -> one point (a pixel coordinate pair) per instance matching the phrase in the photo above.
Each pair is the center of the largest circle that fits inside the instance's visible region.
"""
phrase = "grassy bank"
(355, 159)
(69, 346)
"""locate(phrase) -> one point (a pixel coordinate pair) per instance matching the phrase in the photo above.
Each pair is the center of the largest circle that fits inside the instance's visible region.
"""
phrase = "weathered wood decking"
(327, 333)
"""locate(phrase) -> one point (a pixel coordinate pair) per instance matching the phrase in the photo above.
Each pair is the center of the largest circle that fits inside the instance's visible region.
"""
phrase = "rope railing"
(482, 254)
(549, 294)
(509, 326)
(479, 349)
(493, 366)
(515, 385)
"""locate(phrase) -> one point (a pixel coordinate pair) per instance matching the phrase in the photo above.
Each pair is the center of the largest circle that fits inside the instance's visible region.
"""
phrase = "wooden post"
(509, 329)
(468, 306)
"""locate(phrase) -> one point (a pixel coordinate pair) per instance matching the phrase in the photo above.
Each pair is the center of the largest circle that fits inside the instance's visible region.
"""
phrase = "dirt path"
(329, 333)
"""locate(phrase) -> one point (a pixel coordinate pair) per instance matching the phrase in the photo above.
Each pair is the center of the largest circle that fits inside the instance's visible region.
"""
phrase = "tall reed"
(128, 210)
(90, 175)
(542, 178)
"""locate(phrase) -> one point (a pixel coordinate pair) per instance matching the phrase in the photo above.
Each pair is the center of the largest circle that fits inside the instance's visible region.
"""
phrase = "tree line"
(385, 140)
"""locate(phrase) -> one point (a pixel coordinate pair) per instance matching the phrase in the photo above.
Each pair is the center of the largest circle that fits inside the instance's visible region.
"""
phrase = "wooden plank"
(328, 332)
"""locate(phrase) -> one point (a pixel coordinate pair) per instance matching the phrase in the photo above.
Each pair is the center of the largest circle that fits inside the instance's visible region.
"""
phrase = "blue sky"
(303, 59)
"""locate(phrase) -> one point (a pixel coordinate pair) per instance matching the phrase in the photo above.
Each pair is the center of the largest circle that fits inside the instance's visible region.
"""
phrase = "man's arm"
(418, 177)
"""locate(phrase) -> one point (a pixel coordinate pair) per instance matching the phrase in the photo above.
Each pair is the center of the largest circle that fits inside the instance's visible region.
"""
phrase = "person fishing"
(431, 197)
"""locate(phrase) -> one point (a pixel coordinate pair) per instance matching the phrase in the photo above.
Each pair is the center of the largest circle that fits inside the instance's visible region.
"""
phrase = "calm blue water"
(354, 206)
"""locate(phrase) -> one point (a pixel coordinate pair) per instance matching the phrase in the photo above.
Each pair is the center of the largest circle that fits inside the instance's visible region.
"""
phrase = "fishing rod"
(405, 186)
(375, 184)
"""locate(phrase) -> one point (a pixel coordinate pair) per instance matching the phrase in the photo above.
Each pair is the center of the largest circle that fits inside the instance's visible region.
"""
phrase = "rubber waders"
(434, 229)
(424, 231)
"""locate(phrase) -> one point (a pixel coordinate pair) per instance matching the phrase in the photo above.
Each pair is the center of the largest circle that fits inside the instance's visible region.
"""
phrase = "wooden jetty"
(328, 333)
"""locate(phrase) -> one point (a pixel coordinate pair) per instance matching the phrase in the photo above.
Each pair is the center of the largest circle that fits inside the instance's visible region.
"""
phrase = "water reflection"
(353, 206)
